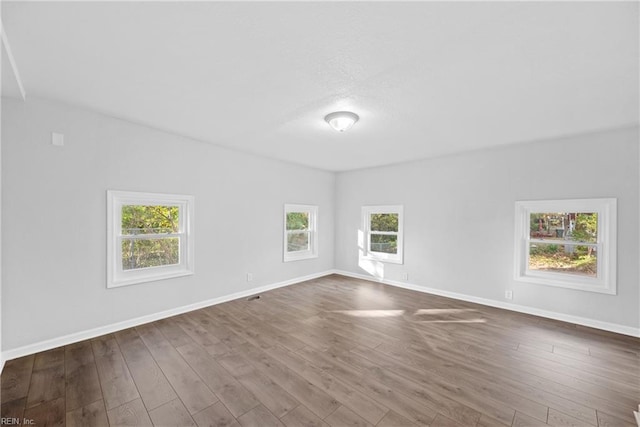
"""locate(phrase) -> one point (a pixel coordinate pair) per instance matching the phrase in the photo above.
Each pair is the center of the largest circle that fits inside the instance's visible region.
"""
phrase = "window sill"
(289, 258)
(562, 281)
(148, 278)
(371, 257)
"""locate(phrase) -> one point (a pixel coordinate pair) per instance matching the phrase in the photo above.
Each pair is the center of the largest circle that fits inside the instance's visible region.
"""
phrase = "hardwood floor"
(334, 352)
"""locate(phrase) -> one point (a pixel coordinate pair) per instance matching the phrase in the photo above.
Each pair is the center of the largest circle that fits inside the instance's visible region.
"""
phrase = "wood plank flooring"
(334, 352)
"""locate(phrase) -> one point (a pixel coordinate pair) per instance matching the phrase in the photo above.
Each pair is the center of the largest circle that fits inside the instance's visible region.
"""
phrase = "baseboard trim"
(583, 321)
(114, 327)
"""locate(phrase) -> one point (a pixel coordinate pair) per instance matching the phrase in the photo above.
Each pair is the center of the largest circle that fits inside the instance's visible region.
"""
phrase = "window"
(300, 232)
(567, 243)
(383, 233)
(149, 237)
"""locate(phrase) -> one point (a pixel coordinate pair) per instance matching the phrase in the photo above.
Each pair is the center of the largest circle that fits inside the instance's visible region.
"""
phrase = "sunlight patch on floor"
(451, 321)
(435, 311)
(446, 315)
(370, 313)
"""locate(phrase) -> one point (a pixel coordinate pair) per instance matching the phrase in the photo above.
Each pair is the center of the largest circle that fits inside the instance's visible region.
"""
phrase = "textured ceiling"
(427, 79)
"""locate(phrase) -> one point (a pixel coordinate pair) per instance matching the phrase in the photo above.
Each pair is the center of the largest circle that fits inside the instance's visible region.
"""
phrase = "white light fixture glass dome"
(341, 120)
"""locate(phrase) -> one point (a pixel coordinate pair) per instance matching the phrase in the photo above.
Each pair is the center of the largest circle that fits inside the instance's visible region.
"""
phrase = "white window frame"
(605, 282)
(312, 252)
(367, 211)
(116, 275)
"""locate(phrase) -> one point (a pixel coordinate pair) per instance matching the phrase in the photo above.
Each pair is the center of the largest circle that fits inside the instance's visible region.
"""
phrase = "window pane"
(137, 219)
(573, 226)
(142, 253)
(561, 258)
(297, 220)
(384, 222)
(298, 241)
(384, 243)
(585, 227)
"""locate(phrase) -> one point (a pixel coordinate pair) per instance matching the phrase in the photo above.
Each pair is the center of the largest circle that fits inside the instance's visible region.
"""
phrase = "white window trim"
(116, 276)
(605, 282)
(312, 252)
(366, 226)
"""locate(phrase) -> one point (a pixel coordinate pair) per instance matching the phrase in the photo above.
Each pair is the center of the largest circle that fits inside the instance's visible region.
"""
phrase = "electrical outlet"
(508, 294)
(249, 277)
(405, 276)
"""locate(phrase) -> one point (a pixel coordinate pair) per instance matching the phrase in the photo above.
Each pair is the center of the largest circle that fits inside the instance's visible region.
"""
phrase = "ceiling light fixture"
(341, 120)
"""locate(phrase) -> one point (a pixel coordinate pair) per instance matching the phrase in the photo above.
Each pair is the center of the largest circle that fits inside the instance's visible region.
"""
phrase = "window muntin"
(300, 232)
(383, 233)
(149, 237)
(567, 243)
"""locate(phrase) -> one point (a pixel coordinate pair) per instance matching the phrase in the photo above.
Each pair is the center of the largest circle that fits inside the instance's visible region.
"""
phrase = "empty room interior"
(329, 214)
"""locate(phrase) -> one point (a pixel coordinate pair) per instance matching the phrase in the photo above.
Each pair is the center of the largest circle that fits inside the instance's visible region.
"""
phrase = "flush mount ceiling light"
(341, 120)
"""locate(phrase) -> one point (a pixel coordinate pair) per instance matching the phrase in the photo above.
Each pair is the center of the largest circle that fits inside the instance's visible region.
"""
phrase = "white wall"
(1, 58)
(459, 218)
(54, 218)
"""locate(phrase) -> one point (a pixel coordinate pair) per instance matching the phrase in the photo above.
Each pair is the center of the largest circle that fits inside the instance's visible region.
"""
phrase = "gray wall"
(54, 218)
(459, 218)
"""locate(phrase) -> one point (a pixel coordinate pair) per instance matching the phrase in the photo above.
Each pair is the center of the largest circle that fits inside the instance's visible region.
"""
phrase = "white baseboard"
(107, 329)
(597, 324)
(114, 327)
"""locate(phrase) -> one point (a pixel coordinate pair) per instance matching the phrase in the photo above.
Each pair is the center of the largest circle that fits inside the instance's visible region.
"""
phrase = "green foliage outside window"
(297, 221)
(384, 222)
(137, 219)
(299, 240)
(586, 227)
(557, 255)
(384, 243)
(150, 220)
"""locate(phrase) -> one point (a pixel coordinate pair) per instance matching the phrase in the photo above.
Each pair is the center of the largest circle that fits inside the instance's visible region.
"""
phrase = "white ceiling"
(426, 78)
